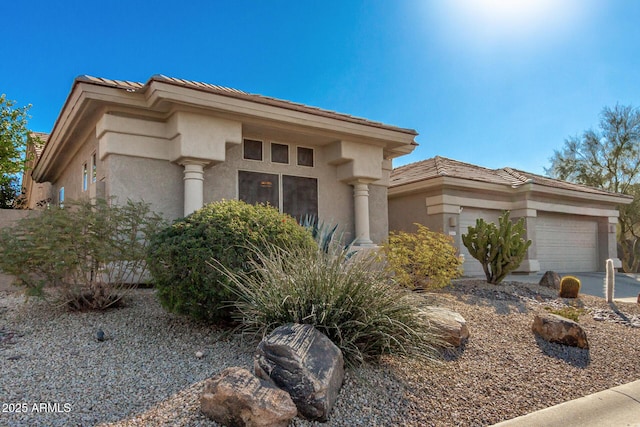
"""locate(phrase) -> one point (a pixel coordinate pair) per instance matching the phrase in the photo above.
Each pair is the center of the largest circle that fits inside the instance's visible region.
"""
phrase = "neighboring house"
(35, 194)
(572, 227)
(180, 144)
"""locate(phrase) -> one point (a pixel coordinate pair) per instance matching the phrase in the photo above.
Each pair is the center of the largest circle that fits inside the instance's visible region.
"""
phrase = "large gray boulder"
(236, 397)
(558, 329)
(305, 363)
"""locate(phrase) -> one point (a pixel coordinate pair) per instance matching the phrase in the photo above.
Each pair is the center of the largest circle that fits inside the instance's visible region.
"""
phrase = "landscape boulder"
(450, 325)
(236, 397)
(304, 362)
(551, 280)
(558, 329)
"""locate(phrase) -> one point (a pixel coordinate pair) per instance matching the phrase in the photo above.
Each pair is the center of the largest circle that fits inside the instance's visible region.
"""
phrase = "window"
(256, 187)
(94, 168)
(299, 196)
(85, 177)
(305, 156)
(252, 149)
(61, 197)
(279, 153)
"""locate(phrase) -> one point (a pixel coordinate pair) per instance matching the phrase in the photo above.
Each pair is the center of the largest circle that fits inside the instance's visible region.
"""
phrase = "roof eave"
(469, 184)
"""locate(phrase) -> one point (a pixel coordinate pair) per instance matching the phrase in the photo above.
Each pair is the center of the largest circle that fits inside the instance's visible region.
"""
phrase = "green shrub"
(571, 313)
(500, 249)
(85, 255)
(224, 231)
(424, 259)
(343, 294)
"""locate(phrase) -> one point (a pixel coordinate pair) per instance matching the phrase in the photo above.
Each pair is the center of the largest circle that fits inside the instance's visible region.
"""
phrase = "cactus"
(609, 281)
(500, 249)
(569, 287)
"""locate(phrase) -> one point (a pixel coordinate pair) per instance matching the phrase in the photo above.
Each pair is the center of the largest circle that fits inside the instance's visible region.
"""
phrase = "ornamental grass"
(344, 294)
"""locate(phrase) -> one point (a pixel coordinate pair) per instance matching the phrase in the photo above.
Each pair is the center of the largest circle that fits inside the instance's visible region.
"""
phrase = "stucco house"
(180, 144)
(572, 227)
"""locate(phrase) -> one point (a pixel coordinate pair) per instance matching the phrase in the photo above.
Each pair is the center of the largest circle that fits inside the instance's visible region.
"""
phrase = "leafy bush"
(500, 249)
(224, 231)
(87, 254)
(344, 295)
(424, 259)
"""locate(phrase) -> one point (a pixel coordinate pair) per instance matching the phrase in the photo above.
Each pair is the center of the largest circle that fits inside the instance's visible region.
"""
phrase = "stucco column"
(361, 213)
(193, 186)
(530, 263)
(608, 242)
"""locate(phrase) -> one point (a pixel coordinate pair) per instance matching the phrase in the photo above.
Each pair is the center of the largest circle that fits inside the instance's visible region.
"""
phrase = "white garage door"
(468, 218)
(567, 243)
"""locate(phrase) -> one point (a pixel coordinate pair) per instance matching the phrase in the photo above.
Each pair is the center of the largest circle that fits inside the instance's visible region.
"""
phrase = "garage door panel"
(567, 243)
(564, 243)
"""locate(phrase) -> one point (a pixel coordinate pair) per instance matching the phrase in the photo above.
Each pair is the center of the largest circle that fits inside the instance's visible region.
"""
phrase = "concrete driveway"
(627, 286)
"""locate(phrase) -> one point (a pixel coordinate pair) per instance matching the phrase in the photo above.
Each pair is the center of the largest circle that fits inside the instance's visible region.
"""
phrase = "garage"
(567, 244)
(573, 226)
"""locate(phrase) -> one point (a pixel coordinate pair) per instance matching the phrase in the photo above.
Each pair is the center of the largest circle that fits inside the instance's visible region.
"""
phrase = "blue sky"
(491, 82)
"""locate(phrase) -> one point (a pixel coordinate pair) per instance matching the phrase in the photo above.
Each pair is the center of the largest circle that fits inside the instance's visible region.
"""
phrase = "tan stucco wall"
(335, 199)
(160, 183)
(71, 177)
(378, 211)
(157, 182)
(406, 210)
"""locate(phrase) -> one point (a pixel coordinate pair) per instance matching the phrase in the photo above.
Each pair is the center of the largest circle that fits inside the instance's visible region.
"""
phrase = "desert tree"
(608, 158)
(14, 140)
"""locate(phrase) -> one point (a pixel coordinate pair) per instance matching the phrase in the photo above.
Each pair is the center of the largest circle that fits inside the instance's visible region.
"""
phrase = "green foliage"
(424, 259)
(569, 287)
(500, 249)
(609, 158)
(9, 191)
(346, 296)
(14, 140)
(571, 313)
(13, 136)
(225, 231)
(87, 255)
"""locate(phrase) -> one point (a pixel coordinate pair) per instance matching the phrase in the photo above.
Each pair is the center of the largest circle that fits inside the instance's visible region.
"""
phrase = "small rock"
(450, 325)
(561, 330)
(551, 280)
(199, 354)
(305, 363)
(100, 335)
(236, 397)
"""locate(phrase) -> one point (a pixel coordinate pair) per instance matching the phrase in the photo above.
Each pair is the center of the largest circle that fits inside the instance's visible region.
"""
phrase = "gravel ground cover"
(145, 373)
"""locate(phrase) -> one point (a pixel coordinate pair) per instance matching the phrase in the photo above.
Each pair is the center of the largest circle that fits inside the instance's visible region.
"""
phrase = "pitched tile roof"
(235, 93)
(441, 166)
(43, 138)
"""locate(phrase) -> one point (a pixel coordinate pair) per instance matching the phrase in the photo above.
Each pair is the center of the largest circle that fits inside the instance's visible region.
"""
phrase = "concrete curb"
(618, 406)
